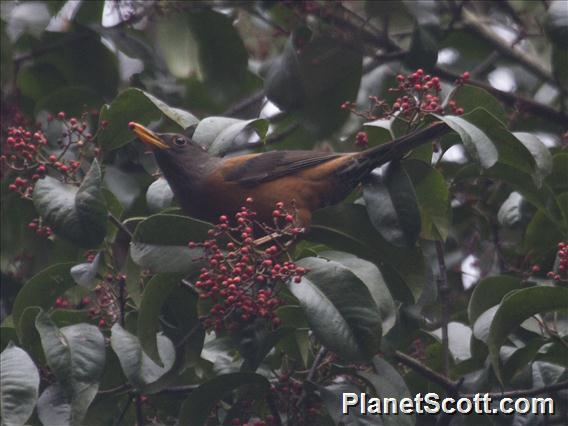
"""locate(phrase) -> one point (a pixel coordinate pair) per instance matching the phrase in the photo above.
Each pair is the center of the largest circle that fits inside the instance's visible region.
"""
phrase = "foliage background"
(460, 254)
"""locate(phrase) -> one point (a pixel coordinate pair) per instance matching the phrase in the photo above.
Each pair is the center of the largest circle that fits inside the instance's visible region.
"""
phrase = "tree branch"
(513, 100)
(481, 30)
(525, 392)
(444, 291)
(449, 385)
(119, 224)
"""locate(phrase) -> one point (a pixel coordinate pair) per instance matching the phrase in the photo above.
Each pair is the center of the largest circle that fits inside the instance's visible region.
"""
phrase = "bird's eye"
(179, 141)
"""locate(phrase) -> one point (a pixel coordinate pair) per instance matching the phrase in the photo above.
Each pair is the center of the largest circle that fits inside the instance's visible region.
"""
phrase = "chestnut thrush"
(207, 186)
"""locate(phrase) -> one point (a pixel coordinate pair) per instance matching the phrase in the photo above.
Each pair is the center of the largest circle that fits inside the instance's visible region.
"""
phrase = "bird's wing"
(274, 164)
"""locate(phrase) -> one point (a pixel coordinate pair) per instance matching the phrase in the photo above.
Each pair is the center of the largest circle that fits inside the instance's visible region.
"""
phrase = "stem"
(123, 412)
(121, 298)
(315, 364)
(444, 290)
(139, 412)
(119, 224)
(511, 99)
(273, 409)
(481, 30)
(440, 379)
(526, 392)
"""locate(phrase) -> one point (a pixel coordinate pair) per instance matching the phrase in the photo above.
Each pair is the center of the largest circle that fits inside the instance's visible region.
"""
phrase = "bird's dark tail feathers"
(374, 157)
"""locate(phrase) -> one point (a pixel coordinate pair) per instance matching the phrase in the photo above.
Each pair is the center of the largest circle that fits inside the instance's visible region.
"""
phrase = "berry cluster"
(560, 274)
(106, 305)
(243, 274)
(419, 96)
(25, 153)
(41, 230)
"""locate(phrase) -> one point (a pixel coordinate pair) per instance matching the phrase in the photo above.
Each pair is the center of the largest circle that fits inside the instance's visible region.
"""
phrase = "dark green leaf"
(347, 228)
(314, 76)
(195, 409)
(77, 214)
(470, 97)
(556, 24)
(254, 345)
(160, 243)
(390, 199)
(155, 294)
(85, 274)
(351, 327)
(138, 368)
(388, 383)
(489, 292)
(517, 307)
(371, 276)
(558, 179)
(159, 195)
(20, 385)
(73, 100)
(423, 51)
(76, 355)
(219, 134)
(136, 105)
(42, 290)
(433, 197)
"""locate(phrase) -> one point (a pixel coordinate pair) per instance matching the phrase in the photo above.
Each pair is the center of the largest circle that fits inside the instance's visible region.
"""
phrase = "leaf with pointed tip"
(76, 355)
(138, 368)
(391, 203)
(220, 134)
(195, 409)
(42, 290)
(77, 214)
(85, 274)
(516, 307)
(20, 385)
(159, 195)
(351, 326)
(136, 105)
(160, 243)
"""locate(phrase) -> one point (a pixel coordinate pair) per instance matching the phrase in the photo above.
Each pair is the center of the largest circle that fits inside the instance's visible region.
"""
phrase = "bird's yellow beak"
(147, 136)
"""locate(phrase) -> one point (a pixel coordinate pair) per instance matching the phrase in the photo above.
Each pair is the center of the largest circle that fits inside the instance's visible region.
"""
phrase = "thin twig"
(511, 99)
(525, 392)
(123, 412)
(245, 103)
(139, 412)
(444, 290)
(121, 298)
(119, 224)
(448, 384)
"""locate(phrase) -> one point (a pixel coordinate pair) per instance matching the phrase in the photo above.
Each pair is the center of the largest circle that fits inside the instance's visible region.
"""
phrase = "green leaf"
(314, 76)
(20, 385)
(256, 342)
(136, 105)
(489, 292)
(556, 24)
(138, 368)
(30, 339)
(558, 179)
(73, 100)
(42, 290)
(541, 155)
(388, 383)
(219, 134)
(155, 294)
(391, 203)
(195, 409)
(517, 307)
(85, 274)
(347, 228)
(76, 355)
(351, 327)
(470, 97)
(423, 51)
(371, 276)
(433, 197)
(159, 195)
(160, 243)
(176, 45)
(77, 214)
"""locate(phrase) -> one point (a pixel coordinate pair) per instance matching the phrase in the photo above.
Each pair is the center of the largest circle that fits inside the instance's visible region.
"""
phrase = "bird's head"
(180, 158)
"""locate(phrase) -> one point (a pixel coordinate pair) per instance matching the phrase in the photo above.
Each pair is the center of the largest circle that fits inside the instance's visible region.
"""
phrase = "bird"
(208, 187)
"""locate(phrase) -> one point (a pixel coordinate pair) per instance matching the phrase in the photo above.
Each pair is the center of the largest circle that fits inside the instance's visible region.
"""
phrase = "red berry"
(52, 158)
(535, 269)
(61, 115)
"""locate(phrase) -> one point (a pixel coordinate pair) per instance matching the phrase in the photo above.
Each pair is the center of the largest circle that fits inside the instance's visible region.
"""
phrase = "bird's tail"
(374, 157)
